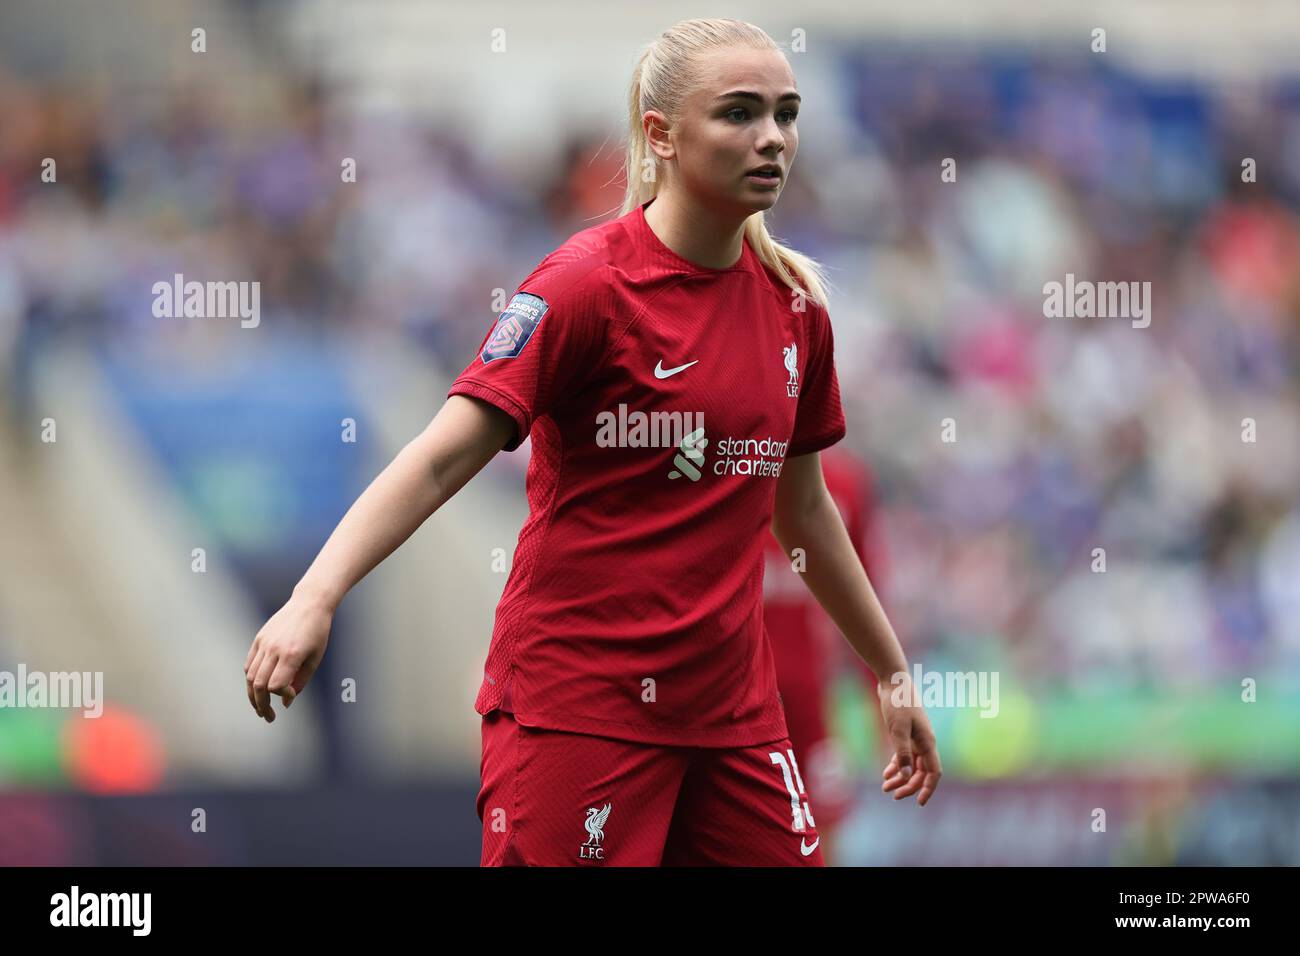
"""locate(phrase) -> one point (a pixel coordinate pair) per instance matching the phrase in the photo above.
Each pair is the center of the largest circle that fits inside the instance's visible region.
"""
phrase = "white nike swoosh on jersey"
(661, 372)
(805, 849)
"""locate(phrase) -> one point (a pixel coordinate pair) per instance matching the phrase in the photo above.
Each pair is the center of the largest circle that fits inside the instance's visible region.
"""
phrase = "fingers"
(900, 766)
(270, 669)
(911, 783)
(250, 671)
(900, 731)
(269, 672)
(934, 771)
(927, 790)
(261, 679)
(281, 681)
(894, 778)
(904, 757)
(305, 671)
(924, 778)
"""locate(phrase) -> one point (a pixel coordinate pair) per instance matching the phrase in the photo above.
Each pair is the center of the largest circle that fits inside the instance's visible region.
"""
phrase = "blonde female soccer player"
(674, 369)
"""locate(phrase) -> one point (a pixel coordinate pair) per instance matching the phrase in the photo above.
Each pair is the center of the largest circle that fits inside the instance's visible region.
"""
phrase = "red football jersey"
(662, 398)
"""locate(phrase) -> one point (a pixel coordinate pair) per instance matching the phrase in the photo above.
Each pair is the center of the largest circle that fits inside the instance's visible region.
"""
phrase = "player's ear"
(657, 136)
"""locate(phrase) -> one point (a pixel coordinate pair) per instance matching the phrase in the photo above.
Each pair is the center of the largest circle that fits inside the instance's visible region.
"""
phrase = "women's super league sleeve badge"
(515, 326)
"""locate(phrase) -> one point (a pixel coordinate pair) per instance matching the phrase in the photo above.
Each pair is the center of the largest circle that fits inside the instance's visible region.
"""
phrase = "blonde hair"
(662, 81)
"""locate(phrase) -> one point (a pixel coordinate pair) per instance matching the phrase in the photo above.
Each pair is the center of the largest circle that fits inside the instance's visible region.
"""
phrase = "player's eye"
(792, 114)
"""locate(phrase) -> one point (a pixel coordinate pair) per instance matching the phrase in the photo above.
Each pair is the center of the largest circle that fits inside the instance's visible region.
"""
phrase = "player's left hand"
(915, 764)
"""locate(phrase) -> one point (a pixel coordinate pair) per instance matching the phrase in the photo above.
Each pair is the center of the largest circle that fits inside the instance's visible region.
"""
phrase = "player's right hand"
(285, 653)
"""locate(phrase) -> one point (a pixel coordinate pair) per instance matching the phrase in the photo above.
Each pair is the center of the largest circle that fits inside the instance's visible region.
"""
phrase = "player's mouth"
(769, 174)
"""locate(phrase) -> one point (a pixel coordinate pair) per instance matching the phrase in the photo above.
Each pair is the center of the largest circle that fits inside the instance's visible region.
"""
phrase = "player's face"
(724, 136)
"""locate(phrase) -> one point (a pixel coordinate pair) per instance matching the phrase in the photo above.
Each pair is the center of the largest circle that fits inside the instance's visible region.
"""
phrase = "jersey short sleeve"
(541, 347)
(819, 418)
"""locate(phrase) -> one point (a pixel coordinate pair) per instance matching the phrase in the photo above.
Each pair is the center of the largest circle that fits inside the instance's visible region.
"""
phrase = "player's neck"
(695, 234)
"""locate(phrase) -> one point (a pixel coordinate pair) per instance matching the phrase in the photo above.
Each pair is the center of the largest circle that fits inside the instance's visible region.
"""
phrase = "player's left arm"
(805, 516)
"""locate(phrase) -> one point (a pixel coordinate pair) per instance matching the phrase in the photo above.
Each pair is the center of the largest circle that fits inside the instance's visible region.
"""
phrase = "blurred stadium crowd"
(1072, 434)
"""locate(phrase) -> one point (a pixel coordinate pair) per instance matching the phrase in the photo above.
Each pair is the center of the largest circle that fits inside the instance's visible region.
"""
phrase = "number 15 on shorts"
(800, 811)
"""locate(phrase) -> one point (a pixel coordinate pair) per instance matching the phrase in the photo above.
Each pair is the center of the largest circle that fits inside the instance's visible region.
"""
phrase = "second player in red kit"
(807, 648)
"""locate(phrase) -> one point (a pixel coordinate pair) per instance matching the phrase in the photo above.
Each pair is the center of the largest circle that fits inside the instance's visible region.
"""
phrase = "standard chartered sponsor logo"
(690, 456)
(749, 457)
(759, 457)
(684, 432)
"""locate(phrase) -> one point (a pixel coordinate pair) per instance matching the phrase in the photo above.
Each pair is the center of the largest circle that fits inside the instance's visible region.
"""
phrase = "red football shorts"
(551, 798)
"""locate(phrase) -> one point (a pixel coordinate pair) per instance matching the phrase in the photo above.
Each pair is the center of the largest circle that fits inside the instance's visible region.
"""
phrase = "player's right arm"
(462, 438)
